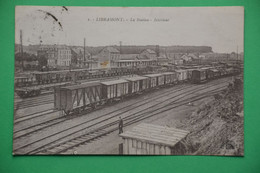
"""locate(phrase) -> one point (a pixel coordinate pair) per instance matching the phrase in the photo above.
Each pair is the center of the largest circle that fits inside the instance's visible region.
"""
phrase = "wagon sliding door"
(153, 82)
(136, 86)
(160, 80)
(111, 91)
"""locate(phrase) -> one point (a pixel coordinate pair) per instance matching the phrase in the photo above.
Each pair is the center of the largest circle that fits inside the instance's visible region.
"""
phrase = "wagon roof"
(156, 134)
(46, 72)
(180, 70)
(205, 68)
(80, 69)
(136, 78)
(214, 70)
(199, 70)
(166, 73)
(83, 85)
(191, 69)
(21, 77)
(229, 69)
(153, 75)
(114, 82)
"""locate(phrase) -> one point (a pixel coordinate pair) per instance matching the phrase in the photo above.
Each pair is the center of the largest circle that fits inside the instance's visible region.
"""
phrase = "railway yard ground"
(211, 112)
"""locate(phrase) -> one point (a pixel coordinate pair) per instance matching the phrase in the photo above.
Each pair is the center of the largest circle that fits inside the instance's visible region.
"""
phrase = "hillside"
(129, 49)
(217, 127)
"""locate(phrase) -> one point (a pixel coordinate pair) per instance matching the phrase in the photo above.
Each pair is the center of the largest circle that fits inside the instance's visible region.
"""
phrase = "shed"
(149, 139)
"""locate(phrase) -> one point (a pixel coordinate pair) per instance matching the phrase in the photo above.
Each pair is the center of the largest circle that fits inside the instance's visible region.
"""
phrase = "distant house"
(175, 58)
(132, 57)
(215, 57)
(194, 58)
(163, 60)
(77, 56)
(148, 54)
(57, 55)
(186, 58)
(107, 57)
(128, 60)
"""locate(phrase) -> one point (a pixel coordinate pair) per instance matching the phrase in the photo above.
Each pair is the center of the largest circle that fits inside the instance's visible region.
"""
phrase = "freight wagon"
(76, 98)
(170, 78)
(199, 76)
(155, 80)
(112, 90)
(137, 84)
(182, 75)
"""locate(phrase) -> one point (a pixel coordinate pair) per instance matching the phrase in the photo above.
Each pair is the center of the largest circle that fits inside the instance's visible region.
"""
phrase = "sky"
(222, 28)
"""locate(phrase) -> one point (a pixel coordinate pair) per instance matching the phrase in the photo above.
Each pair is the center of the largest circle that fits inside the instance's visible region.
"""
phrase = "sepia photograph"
(129, 81)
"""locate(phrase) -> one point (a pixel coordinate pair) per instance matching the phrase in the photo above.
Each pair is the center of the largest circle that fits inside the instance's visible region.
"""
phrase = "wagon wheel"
(67, 112)
(94, 106)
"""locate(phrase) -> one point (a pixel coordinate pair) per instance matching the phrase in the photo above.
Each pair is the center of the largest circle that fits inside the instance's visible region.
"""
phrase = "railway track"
(34, 115)
(26, 149)
(95, 134)
(29, 130)
(105, 129)
(34, 101)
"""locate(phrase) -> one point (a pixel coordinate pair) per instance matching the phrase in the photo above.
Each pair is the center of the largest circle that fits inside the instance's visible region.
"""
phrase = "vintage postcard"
(128, 81)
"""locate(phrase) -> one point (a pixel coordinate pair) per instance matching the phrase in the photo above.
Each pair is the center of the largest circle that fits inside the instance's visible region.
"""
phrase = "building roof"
(155, 134)
(143, 57)
(112, 49)
(80, 50)
(132, 49)
(54, 46)
(150, 51)
(112, 82)
(127, 60)
(185, 57)
(163, 58)
(175, 56)
(193, 56)
(129, 56)
(83, 85)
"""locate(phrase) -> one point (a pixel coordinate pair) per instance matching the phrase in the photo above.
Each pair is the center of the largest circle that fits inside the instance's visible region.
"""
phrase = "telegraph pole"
(84, 59)
(120, 48)
(21, 42)
(237, 54)
(91, 61)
